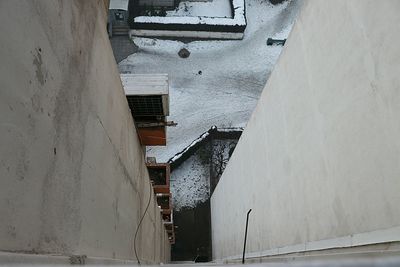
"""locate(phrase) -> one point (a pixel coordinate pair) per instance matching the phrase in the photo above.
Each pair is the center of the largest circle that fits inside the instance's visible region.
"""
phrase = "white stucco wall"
(319, 161)
(72, 173)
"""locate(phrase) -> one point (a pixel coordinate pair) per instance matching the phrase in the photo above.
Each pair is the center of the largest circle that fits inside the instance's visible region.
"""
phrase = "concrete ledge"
(52, 259)
(324, 255)
(375, 242)
(25, 258)
(343, 260)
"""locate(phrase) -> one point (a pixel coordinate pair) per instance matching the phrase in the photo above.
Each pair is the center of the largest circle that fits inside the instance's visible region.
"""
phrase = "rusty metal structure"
(159, 174)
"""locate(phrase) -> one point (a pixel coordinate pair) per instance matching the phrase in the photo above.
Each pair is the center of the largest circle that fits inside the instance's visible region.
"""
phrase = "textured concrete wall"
(319, 161)
(73, 179)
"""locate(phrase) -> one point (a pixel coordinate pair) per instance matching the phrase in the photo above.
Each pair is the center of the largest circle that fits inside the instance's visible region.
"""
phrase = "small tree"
(220, 157)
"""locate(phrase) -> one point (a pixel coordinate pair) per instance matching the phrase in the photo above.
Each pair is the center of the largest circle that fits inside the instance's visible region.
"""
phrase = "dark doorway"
(193, 235)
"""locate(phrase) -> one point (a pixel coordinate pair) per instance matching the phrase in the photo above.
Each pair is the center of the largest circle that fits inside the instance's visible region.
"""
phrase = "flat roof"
(145, 84)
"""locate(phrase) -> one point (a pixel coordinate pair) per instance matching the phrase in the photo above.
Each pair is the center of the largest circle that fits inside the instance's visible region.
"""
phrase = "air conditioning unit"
(147, 94)
(148, 99)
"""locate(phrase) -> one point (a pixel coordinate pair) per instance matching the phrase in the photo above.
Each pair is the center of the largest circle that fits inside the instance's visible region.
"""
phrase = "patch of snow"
(190, 183)
(215, 8)
(221, 81)
(202, 138)
(231, 129)
(195, 142)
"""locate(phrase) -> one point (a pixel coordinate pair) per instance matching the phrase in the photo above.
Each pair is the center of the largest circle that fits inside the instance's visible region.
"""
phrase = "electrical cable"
(140, 222)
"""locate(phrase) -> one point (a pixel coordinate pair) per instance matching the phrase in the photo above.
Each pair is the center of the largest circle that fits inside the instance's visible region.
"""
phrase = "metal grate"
(158, 175)
(146, 105)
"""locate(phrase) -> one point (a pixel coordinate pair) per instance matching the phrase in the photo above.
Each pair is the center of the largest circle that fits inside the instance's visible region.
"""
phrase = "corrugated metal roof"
(119, 4)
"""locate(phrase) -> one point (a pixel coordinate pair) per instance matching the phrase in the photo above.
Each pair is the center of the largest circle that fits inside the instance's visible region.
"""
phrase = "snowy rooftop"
(145, 84)
(220, 82)
(238, 19)
(215, 9)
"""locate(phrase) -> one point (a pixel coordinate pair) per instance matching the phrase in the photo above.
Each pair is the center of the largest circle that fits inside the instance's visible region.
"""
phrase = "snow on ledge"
(202, 138)
(187, 34)
(239, 18)
(194, 143)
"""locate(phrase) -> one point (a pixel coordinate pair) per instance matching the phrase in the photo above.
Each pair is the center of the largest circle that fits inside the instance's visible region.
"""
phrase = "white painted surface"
(73, 178)
(319, 161)
(138, 84)
(361, 239)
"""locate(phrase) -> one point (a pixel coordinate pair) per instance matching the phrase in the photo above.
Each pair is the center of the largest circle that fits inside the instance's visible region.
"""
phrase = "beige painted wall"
(319, 161)
(72, 173)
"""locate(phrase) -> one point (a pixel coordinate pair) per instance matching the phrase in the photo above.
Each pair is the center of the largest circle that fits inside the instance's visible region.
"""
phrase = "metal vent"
(146, 105)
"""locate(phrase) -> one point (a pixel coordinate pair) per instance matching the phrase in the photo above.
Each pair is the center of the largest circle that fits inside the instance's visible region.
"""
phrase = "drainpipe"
(245, 235)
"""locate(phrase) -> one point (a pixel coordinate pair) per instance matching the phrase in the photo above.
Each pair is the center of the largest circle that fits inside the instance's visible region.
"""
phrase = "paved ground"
(122, 47)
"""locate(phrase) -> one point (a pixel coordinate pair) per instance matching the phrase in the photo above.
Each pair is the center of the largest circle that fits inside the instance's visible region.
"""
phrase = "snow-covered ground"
(215, 8)
(221, 81)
